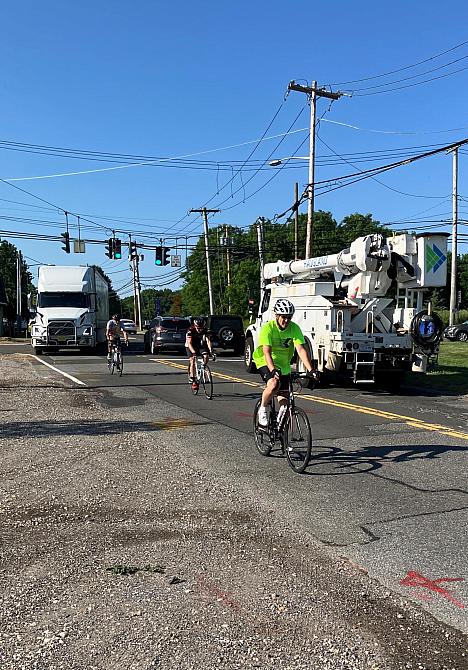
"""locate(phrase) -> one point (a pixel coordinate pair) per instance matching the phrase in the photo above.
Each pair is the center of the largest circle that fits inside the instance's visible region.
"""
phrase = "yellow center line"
(390, 416)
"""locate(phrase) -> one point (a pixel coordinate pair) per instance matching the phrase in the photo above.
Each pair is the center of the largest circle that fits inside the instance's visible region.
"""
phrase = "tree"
(8, 256)
(358, 225)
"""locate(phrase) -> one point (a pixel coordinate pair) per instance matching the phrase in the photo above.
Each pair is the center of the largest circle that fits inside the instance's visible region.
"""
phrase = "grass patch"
(450, 376)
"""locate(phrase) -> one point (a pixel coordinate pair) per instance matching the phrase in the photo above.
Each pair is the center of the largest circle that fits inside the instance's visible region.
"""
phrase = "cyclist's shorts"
(115, 339)
(264, 373)
(198, 352)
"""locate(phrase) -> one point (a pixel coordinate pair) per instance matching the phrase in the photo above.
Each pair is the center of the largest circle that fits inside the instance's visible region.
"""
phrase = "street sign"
(79, 246)
(175, 261)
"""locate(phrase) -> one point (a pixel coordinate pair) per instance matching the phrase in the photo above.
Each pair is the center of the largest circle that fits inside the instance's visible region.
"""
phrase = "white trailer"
(72, 308)
(351, 324)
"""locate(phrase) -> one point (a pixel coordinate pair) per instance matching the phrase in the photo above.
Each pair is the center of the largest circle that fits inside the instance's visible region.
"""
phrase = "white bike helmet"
(283, 307)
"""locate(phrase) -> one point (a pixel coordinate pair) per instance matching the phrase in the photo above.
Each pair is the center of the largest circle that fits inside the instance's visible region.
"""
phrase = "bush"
(445, 315)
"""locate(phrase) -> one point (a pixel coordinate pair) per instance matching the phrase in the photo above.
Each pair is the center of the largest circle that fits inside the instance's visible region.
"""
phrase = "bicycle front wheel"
(207, 381)
(297, 440)
(110, 364)
(263, 440)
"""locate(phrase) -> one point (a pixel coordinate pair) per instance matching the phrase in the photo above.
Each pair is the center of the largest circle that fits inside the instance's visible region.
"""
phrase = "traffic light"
(117, 249)
(66, 242)
(166, 257)
(110, 247)
(132, 250)
(158, 260)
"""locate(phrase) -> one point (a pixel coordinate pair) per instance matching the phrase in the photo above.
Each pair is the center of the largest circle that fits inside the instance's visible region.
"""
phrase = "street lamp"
(279, 161)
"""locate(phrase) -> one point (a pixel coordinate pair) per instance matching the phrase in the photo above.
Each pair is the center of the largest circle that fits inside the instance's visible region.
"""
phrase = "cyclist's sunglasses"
(286, 318)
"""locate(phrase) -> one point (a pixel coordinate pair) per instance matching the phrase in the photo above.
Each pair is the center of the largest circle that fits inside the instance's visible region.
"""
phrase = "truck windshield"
(62, 299)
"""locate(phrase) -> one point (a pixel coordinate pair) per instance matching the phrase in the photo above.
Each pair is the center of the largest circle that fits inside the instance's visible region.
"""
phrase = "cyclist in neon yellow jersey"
(277, 341)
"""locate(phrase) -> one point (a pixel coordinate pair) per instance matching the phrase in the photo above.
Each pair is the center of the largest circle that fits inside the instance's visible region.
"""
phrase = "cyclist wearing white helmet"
(277, 340)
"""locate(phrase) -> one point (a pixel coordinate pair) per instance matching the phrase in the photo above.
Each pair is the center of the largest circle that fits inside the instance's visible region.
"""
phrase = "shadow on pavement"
(59, 428)
(373, 458)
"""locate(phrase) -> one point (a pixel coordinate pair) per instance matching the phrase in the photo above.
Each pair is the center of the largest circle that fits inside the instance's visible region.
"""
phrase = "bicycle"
(290, 427)
(116, 360)
(203, 377)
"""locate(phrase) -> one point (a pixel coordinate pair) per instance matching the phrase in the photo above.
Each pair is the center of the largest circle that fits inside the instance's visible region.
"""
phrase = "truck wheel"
(248, 353)
(37, 351)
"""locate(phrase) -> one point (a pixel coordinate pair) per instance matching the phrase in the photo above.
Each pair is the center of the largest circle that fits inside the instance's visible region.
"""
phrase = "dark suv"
(227, 332)
(166, 332)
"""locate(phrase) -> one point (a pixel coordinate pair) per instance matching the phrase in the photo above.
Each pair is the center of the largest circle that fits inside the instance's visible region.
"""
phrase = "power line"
(401, 69)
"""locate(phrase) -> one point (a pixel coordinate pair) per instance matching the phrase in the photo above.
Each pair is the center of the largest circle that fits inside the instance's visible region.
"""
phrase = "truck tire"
(37, 351)
(248, 353)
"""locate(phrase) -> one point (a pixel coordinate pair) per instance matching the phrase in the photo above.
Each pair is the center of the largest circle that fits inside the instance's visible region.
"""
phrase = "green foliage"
(168, 301)
(8, 255)
(450, 376)
(444, 314)
(328, 238)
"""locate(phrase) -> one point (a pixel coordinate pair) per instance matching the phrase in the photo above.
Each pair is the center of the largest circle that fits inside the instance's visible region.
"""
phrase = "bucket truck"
(361, 310)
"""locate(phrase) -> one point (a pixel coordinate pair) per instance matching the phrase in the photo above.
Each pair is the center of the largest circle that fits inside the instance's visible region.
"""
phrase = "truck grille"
(61, 329)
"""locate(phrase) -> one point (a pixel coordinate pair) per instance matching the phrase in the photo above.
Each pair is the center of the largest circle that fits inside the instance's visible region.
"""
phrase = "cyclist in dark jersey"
(197, 342)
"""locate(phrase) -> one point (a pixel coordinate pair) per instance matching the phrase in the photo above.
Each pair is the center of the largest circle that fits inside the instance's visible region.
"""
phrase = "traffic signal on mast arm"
(66, 242)
(158, 259)
(110, 247)
(166, 257)
(132, 250)
(117, 249)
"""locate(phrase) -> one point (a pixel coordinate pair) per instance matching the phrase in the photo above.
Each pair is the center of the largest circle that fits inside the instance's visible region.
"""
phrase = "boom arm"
(366, 254)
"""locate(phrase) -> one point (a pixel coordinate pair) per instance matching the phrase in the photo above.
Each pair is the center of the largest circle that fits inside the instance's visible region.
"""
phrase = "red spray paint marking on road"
(214, 591)
(415, 579)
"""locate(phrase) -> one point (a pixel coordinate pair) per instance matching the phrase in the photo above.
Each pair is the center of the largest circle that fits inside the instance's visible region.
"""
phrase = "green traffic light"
(117, 255)
(158, 262)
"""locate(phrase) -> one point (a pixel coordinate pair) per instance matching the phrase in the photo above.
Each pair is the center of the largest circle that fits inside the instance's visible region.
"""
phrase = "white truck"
(353, 328)
(72, 309)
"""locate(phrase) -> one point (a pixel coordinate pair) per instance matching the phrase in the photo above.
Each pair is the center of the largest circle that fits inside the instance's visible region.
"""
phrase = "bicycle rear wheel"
(207, 381)
(297, 440)
(263, 440)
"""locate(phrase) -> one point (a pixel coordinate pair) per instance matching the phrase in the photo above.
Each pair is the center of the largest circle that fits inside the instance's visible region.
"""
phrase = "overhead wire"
(401, 69)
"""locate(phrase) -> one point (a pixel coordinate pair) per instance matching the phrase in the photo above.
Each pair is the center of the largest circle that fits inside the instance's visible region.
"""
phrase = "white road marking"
(61, 372)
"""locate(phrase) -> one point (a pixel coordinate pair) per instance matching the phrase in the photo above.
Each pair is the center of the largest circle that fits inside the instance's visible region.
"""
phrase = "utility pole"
(228, 264)
(134, 258)
(453, 278)
(260, 222)
(296, 219)
(313, 93)
(18, 293)
(205, 213)
(138, 290)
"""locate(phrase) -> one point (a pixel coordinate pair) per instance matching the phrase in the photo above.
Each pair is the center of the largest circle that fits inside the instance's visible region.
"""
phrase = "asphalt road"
(386, 487)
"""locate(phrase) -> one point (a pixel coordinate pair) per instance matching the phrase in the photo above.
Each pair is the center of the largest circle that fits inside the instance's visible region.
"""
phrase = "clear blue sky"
(158, 79)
